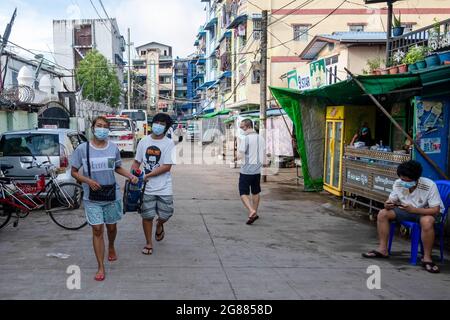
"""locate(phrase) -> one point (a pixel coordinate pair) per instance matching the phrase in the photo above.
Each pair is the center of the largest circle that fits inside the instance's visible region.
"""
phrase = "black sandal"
(147, 251)
(160, 236)
(431, 267)
(252, 219)
(374, 254)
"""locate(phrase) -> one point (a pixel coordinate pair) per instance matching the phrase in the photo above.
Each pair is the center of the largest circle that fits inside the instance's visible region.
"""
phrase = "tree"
(98, 80)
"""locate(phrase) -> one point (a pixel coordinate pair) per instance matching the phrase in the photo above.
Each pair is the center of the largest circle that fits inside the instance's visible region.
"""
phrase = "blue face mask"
(158, 129)
(101, 133)
(408, 185)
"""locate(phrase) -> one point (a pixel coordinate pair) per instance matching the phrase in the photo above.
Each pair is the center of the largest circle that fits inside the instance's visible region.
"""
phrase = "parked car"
(24, 149)
(123, 133)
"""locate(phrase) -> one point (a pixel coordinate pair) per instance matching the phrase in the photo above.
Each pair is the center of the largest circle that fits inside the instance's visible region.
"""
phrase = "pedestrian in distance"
(413, 198)
(251, 152)
(156, 153)
(100, 159)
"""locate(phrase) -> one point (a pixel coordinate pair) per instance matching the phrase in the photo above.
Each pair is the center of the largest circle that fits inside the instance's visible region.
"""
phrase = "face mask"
(242, 132)
(408, 185)
(101, 133)
(158, 129)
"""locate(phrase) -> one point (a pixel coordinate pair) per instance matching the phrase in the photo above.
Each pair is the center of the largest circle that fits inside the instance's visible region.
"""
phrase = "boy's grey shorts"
(157, 205)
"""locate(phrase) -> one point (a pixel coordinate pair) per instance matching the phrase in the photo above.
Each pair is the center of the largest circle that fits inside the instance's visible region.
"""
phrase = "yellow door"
(334, 146)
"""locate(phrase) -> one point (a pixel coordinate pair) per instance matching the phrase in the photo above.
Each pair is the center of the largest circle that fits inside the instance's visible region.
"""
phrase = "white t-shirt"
(152, 153)
(253, 148)
(426, 194)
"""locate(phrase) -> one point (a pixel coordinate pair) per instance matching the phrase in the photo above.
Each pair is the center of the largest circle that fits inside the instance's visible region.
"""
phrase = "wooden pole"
(416, 145)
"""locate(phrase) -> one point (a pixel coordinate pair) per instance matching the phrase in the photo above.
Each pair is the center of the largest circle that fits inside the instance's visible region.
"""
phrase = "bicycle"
(62, 201)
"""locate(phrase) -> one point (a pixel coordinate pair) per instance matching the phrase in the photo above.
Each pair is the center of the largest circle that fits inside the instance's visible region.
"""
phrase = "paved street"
(303, 247)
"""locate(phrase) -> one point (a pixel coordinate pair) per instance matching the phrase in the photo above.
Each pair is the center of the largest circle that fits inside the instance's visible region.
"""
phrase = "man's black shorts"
(249, 181)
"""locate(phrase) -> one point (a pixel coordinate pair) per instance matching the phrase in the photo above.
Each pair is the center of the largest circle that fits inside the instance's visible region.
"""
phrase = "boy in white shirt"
(413, 198)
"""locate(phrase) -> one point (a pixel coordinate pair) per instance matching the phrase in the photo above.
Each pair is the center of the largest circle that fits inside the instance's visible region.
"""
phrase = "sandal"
(160, 236)
(99, 277)
(374, 254)
(252, 219)
(147, 251)
(431, 267)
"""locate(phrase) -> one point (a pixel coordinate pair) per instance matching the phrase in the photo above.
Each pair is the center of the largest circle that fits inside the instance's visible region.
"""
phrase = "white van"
(140, 118)
(122, 133)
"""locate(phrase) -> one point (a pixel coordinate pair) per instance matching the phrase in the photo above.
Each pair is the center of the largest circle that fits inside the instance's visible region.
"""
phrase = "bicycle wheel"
(64, 204)
(5, 215)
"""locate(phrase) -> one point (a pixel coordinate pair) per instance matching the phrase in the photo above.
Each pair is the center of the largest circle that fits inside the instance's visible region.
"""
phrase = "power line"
(314, 25)
(304, 4)
(101, 19)
(104, 10)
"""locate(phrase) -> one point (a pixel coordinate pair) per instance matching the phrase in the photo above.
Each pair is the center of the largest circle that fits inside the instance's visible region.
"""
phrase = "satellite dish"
(25, 77)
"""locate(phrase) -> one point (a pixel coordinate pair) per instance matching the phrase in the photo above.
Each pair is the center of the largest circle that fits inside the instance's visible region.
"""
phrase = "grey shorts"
(153, 205)
(402, 215)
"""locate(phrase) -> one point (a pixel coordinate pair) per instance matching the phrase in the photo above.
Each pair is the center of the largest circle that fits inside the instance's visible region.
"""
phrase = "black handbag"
(106, 192)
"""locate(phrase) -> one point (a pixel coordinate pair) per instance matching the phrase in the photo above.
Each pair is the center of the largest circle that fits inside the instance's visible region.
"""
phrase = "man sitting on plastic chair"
(414, 198)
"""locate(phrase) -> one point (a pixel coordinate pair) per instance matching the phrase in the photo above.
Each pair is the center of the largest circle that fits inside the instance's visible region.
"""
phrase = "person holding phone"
(413, 198)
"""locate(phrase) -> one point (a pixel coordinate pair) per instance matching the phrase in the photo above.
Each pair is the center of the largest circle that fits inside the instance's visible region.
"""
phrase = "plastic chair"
(444, 192)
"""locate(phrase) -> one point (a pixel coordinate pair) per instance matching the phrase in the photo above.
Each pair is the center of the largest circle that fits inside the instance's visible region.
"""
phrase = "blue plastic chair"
(444, 192)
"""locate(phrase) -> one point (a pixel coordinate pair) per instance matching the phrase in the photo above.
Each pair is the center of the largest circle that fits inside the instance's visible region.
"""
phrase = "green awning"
(216, 113)
(348, 92)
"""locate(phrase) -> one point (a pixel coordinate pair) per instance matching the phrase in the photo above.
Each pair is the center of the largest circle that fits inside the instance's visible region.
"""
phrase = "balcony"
(436, 37)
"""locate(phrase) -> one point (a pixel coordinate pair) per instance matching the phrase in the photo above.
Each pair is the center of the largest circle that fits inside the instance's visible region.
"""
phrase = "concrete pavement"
(303, 247)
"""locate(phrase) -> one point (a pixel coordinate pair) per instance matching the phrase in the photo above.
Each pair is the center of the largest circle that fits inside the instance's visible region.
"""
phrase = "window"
(257, 29)
(301, 32)
(16, 145)
(408, 27)
(356, 28)
(14, 75)
(256, 76)
(143, 53)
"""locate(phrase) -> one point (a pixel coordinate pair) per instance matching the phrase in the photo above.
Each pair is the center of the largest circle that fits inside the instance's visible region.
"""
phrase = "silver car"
(20, 151)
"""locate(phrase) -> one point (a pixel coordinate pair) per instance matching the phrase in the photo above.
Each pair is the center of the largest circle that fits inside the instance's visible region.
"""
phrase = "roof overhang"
(237, 21)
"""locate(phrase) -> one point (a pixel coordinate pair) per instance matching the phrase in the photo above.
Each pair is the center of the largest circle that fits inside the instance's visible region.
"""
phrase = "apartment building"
(154, 72)
(230, 39)
(73, 39)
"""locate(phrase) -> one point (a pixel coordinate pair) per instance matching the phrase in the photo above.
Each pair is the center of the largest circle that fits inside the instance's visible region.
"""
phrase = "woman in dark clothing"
(363, 135)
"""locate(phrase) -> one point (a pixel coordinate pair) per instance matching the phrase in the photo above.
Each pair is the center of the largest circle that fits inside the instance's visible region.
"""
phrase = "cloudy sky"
(173, 22)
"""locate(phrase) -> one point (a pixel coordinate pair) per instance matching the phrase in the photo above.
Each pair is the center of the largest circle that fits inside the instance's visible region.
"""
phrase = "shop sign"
(357, 177)
(317, 72)
(383, 183)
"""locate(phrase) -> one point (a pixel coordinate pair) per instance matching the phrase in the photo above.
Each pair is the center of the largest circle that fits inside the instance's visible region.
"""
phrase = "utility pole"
(129, 69)
(263, 81)
(3, 43)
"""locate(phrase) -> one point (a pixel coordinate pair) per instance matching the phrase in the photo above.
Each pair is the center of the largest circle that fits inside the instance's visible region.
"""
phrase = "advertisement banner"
(318, 73)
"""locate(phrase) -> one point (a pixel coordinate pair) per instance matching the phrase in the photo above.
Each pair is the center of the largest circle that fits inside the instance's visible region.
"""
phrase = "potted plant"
(398, 58)
(374, 65)
(393, 69)
(397, 28)
(444, 56)
(415, 58)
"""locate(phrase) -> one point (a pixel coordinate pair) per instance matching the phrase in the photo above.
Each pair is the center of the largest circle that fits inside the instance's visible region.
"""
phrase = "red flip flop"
(112, 259)
(99, 277)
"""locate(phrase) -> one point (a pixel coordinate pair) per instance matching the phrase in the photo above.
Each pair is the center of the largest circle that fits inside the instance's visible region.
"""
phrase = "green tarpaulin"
(303, 105)
(216, 113)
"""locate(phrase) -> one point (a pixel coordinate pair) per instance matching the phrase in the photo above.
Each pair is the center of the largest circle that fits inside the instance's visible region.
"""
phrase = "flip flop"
(431, 267)
(374, 254)
(160, 236)
(99, 277)
(147, 251)
(252, 219)
(111, 259)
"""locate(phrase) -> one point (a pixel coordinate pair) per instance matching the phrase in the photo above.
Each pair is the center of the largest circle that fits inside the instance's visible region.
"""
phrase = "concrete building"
(154, 69)
(336, 52)
(230, 38)
(181, 75)
(73, 39)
